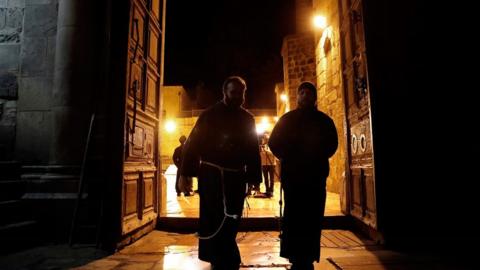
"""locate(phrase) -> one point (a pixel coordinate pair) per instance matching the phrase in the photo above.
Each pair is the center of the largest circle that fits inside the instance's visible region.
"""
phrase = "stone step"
(182, 224)
(57, 169)
(12, 189)
(52, 185)
(60, 186)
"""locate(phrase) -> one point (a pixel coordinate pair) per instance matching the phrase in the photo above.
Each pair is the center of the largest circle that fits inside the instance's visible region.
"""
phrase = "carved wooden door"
(362, 199)
(141, 164)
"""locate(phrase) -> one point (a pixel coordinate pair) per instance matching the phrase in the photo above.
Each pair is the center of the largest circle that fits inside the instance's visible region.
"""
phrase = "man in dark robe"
(303, 139)
(186, 188)
(222, 151)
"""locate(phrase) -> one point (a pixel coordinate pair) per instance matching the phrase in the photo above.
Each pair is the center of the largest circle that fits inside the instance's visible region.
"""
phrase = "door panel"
(154, 37)
(370, 203)
(130, 195)
(356, 208)
(357, 102)
(141, 164)
(152, 94)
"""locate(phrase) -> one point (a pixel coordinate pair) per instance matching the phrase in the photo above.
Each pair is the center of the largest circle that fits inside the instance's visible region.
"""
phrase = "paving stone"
(135, 266)
(104, 264)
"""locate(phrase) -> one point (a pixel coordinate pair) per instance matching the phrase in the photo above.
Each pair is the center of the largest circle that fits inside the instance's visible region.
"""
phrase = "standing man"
(268, 166)
(185, 187)
(303, 139)
(222, 151)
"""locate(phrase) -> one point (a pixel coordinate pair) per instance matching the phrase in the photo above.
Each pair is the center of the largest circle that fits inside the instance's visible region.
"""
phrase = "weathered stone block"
(3, 17)
(3, 3)
(33, 136)
(34, 54)
(16, 3)
(51, 48)
(38, 2)
(15, 18)
(10, 55)
(8, 112)
(8, 85)
(9, 35)
(40, 20)
(35, 93)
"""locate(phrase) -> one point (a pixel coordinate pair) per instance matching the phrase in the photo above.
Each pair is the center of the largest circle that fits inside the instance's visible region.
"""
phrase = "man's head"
(306, 95)
(234, 91)
(182, 139)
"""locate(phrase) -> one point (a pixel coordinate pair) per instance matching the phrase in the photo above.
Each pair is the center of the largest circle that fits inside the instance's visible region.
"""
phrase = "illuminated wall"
(173, 125)
(329, 84)
(309, 56)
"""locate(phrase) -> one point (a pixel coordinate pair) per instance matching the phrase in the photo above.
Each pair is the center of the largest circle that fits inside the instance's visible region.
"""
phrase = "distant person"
(268, 167)
(181, 185)
(222, 151)
(303, 139)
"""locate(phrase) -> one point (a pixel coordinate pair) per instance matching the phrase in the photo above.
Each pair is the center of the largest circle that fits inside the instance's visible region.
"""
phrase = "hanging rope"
(225, 213)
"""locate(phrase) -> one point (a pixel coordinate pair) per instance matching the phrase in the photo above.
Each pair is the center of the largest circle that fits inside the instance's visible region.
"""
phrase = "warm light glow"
(320, 22)
(260, 128)
(263, 126)
(264, 120)
(275, 118)
(170, 126)
(178, 257)
(283, 97)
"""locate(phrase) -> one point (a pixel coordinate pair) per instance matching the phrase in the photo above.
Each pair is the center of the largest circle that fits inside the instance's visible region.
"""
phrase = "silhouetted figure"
(222, 151)
(268, 167)
(185, 187)
(303, 139)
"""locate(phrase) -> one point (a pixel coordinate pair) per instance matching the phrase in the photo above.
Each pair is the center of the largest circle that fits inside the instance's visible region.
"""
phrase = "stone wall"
(27, 51)
(315, 56)
(282, 105)
(173, 98)
(329, 83)
(11, 28)
(298, 52)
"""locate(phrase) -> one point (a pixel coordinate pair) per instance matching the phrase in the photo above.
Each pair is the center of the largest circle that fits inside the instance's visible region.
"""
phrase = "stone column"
(73, 81)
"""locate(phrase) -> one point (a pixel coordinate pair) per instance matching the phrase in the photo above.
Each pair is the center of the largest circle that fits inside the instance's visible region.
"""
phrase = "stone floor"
(341, 250)
(160, 250)
(254, 206)
(173, 251)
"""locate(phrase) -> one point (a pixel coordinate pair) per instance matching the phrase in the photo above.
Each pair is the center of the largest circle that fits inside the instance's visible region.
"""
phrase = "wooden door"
(362, 199)
(141, 164)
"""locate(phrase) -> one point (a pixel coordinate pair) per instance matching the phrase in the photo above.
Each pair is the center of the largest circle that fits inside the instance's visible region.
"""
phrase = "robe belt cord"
(234, 216)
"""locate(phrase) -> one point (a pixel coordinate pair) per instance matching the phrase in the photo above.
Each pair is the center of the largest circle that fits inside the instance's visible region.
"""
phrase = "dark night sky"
(206, 41)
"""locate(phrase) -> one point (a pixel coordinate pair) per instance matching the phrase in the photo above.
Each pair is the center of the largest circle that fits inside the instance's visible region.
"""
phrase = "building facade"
(81, 87)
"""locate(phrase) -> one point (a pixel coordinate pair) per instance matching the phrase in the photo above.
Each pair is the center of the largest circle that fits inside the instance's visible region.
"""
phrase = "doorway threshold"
(190, 224)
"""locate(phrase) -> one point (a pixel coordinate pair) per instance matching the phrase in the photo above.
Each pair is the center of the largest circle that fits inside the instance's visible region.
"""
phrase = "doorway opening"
(256, 206)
